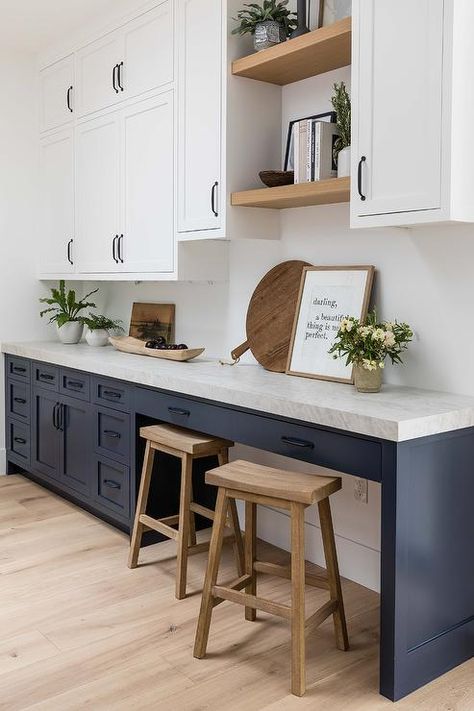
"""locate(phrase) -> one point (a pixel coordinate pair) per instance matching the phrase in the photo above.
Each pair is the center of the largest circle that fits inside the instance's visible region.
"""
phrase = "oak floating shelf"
(306, 56)
(321, 192)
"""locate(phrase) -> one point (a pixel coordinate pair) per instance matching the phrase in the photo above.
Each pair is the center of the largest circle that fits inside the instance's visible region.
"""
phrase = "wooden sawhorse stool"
(187, 446)
(295, 492)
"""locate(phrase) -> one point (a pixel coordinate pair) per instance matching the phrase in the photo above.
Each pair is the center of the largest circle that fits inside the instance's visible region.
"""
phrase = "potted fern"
(98, 329)
(270, 23)
(65, 311)
(341, 102)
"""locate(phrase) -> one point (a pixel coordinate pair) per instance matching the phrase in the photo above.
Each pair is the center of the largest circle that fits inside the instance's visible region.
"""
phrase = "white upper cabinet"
(57, 94)
(98, 150)
(147, 206)
(411, 112)
(57, 252)
(148, 52)
(132, 60)
(200, 114)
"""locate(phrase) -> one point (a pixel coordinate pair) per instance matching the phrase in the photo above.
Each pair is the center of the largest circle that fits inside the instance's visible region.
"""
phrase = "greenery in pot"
(341, 102)
(63, 306)
(368, 344)
(98, 322)
(271, 10)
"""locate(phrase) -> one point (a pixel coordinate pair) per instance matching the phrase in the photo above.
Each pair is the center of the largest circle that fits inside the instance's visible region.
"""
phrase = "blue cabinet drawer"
(75, 384)
(113, 434)
(112, 487)
(329, 448)
(18, 441)
(18, 368)
(111, 393)
(18, 399)
(45, 375)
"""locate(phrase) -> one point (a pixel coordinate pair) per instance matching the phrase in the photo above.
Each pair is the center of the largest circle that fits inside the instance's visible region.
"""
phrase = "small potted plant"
(341, 102)
(65, 311)
(270, 23)
(366, 345)
(98, 329)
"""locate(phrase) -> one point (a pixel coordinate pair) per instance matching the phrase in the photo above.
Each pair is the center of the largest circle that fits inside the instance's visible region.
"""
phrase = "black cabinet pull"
(112, 484)
(114, 249)
(61, 417)
(112, 393)
(19, 440)
(359, 178)
(112, 434)
(213, 199)
(178, 411)
(119, 76)
(295, 442)
(19, 400)
(55, 416)
(120, 249)
(69, 99)
(18, 369)
(69, 251)
(75, 384)
(46, 376)
(114, 79)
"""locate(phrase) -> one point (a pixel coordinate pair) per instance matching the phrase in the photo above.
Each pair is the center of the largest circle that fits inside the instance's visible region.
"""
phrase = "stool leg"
(223, 458)
(192, 521)
(334, 579)
(215, 549)
(298, 674)
(250, 554)
(142, 501)
(184, 525)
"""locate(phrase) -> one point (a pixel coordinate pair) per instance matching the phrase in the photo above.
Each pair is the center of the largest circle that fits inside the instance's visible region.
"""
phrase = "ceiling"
(32, 25)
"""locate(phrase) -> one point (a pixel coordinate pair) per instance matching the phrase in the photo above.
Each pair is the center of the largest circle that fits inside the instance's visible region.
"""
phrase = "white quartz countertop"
(395, 414)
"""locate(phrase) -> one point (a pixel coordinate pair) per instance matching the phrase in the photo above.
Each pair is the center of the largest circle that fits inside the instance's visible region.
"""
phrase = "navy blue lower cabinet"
(88, 447)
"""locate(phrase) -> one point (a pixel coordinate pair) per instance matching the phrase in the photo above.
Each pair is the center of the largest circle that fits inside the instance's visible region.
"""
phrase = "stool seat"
(184, 440)
(275, 483)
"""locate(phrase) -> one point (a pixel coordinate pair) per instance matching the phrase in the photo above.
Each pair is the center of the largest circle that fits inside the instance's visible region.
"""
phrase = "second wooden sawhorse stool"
(187, 446)
(294, 492)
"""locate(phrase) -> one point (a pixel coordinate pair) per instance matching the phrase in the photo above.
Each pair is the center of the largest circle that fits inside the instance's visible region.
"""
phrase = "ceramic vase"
(267, 34)
(367, 381)
(98, 338)
(70, 332)
(344, 162)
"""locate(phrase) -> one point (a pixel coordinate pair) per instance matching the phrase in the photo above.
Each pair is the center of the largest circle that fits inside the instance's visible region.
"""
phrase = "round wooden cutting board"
(270, 316)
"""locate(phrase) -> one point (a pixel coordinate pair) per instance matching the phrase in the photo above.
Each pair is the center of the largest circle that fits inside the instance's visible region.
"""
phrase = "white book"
(296, 151)
(303, 133)
(324, 165)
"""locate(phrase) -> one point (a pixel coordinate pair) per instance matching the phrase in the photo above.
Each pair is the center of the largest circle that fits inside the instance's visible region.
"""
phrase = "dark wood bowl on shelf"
(276, 178)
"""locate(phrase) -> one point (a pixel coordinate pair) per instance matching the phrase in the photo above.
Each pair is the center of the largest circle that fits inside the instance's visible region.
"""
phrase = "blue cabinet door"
(45, 453)
(76, 444)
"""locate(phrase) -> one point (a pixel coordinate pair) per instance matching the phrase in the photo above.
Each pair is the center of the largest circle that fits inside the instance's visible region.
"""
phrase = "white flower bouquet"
(368, 344)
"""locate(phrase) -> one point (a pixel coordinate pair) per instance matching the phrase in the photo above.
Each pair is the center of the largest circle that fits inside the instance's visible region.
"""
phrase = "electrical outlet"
(361, 490)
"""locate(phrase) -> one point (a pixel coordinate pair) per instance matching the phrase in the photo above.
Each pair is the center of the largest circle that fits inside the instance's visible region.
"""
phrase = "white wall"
(19, 290)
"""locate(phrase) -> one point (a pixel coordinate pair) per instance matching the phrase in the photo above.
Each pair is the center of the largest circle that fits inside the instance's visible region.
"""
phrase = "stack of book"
(313, 144)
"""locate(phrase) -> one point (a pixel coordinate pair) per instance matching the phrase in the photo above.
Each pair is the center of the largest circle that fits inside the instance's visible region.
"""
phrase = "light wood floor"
(78, 629)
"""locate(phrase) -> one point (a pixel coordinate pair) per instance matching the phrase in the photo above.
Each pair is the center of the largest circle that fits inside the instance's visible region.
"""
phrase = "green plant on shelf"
(341, 102)
(63, 305)
(98, 322)
(271, 10)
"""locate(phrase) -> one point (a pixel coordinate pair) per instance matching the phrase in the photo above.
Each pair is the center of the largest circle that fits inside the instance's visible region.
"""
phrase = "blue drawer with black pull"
(18, 368)
(75, 384)
(18, 441)
(111, 393)
(113, 434)
(111, 487)
(46, 376)
(18, 400)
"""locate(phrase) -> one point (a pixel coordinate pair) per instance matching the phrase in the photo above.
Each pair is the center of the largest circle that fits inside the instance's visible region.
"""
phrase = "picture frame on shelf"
(327, 295)
(326, 12)
(151, 321)
(288, 163)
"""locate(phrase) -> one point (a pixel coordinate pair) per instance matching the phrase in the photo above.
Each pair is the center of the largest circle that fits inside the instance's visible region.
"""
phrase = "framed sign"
(327, 295)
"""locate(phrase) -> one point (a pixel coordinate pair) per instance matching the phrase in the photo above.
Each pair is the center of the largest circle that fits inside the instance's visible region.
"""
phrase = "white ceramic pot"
(98, 338)
(344, 162)
(70, 332)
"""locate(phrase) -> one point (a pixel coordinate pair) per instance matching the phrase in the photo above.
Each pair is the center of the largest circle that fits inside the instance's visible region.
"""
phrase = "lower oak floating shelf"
(321, 192)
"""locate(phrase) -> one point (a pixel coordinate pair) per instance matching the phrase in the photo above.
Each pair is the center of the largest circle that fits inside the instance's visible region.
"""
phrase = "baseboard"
(3, 461)
(356, 562)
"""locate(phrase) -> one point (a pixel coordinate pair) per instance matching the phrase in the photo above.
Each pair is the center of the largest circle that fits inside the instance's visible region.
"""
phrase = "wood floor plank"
(23, 649)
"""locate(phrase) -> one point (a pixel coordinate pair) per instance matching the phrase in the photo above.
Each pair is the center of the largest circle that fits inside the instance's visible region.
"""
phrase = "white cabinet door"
(57, 94)
(97, 194)
(57, 203)
(98, 80)
(148, 51)
(397, 97)
(200, 114)
(147, 221)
